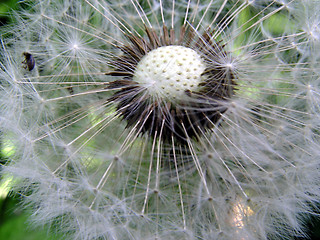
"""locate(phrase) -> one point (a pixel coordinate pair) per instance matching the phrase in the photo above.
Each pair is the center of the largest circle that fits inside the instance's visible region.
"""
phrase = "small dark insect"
(29, 61)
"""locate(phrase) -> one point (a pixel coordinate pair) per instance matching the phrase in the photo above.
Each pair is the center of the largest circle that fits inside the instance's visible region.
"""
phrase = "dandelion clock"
(164, 119)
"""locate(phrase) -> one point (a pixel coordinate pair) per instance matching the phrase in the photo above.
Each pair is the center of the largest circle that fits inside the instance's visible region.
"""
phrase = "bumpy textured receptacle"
(167, 72)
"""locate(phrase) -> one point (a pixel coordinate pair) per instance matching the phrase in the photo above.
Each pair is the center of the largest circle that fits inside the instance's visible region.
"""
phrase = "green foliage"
(6, 5)
(14, 223)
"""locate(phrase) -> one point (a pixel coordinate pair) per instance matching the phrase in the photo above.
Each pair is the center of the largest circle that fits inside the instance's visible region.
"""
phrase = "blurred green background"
(14, 222)
(5, 6)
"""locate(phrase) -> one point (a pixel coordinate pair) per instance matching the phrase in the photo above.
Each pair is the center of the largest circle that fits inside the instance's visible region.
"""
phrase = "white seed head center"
(169, 71)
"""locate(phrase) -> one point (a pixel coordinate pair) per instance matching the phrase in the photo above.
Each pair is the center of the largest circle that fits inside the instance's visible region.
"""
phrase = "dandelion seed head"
(164, 119)
(166, 84)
